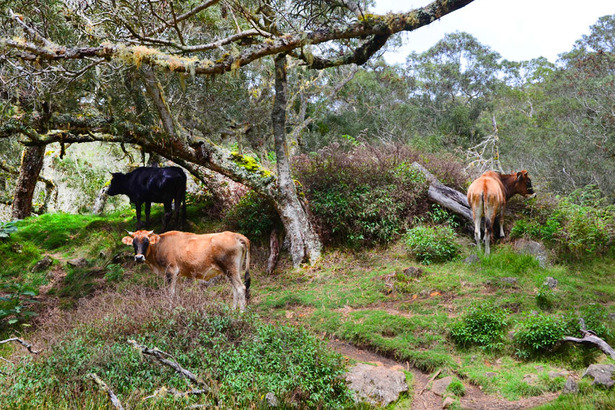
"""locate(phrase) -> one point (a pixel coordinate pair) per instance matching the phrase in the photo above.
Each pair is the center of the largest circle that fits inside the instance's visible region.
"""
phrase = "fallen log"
(591, 338)
(447, 197)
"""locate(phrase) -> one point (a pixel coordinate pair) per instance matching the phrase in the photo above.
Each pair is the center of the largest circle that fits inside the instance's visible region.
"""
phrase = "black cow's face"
(116, 186)
(141, 241)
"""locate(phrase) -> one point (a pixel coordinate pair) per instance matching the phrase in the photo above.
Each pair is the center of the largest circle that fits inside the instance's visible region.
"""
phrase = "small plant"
(7, 228)
(441, 216)
(484, 325)
(545, 297)
(14, 304)
(537, 335)
(432, 244)
(114, 273)
(456, 387)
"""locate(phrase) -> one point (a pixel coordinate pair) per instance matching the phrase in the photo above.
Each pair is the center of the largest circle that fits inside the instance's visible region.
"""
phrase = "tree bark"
(31, 165)
(304, 242)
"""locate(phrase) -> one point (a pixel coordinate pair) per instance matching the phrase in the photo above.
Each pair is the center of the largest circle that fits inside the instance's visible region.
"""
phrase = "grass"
(362, 297)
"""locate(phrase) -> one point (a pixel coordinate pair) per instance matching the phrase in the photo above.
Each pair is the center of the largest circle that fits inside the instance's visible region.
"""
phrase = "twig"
(163, 391)
(103, 386)
(24, 344)
(160, 356)
(590, 337)
(430, 380)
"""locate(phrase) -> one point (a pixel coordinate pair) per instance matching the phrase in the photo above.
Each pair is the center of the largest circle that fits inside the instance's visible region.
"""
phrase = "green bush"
(537, 335)
(577, 226)
(432, 244)
(484, 325)
(253, 216)
(367, 196)
(15, 304)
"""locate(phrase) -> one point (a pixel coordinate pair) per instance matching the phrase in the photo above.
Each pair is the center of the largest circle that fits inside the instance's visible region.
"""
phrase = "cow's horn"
(149, 233)
(130, 233)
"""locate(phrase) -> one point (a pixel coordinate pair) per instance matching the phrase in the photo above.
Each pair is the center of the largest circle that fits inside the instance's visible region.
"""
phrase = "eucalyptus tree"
(170, 43)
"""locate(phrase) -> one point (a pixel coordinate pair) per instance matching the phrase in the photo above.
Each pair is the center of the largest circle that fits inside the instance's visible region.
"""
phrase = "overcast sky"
(517, 29)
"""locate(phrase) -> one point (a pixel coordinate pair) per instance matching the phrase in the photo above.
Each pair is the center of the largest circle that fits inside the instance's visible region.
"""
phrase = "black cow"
(147, 185)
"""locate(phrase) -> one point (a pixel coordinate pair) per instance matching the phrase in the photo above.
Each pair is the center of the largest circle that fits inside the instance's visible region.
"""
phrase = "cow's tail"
(246, 265)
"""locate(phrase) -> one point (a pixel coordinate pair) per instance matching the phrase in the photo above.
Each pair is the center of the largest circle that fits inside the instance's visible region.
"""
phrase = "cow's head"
(116, 186)
(523, 184)
(141, 241)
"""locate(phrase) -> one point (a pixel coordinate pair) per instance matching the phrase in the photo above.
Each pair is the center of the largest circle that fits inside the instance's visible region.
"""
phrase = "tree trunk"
(31, 165)
(304, 242)
(449, 198)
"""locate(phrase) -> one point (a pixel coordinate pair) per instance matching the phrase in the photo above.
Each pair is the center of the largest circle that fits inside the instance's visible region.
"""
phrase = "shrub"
(368, 195)
(537, 335)
(14, 304)
(484, 326)
(432, 244)
(577, 226)
(253, 216)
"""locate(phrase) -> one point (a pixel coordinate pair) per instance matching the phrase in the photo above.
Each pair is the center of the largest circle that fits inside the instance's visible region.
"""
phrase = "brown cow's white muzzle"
(139, 258)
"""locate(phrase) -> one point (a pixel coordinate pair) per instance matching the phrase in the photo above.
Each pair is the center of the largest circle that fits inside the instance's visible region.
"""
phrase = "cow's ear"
(520, 175)
(153, 238)
(127, 240)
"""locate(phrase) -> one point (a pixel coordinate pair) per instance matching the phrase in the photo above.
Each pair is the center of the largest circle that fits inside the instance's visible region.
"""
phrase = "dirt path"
(424, 398)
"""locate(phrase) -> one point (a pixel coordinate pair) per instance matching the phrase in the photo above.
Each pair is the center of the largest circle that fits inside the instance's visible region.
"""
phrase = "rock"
(530, 378)
(448, 402)
(550, 282)
(510, 280)
(472, 259)
(555, 375)
(78, 262)
(413, 272)
(602, 374)
(271, 399)
(611, 316)
(536, 249)
(539, 368)
(42, 264)
(490, 374)
(571, 386)
(377, 385)
(439, 386)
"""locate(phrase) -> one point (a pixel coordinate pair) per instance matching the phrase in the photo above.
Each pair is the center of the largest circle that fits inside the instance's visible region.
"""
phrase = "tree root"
(103, 386)
(23, 343)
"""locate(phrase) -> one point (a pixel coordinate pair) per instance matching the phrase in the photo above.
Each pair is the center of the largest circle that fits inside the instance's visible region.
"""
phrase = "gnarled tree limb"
(23, 343)
(591, 339)
(161, 357)
(103, 386)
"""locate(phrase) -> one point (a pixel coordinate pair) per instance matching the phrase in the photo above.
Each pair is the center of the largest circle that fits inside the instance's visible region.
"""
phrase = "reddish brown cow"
(487, 197)
(187, 254)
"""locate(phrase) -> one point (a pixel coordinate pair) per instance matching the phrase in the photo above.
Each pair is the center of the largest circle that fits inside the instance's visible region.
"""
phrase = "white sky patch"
(517, 29)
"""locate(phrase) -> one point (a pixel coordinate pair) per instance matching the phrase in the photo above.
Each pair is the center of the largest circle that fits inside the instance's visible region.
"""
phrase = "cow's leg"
(138, 209)
(177, 205)
(171, 275)
(239, 290)
(148, 208)
(501, 222)
(477, 215)
(167, 214)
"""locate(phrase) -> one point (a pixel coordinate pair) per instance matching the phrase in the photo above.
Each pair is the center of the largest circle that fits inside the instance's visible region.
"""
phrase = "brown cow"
(487, 197)
(196, 256)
